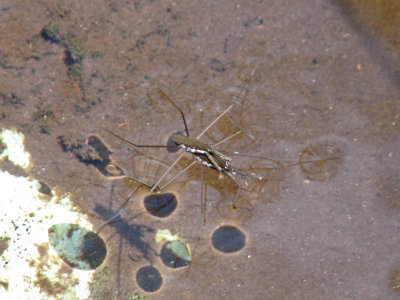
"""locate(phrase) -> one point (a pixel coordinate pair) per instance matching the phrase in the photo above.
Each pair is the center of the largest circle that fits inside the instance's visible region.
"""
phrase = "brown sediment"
(324, 76)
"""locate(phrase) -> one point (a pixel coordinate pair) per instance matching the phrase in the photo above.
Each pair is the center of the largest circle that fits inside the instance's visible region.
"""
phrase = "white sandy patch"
(25, 217)
(15, 150)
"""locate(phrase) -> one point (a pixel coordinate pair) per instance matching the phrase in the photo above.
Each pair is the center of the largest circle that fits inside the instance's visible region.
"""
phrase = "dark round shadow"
(171, 259)
(149, 279)
(228, 239)
(78, 247)
(171, 146)
(160, 205)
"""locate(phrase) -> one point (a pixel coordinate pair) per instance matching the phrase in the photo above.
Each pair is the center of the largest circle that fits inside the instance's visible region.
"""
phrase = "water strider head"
(191, 144)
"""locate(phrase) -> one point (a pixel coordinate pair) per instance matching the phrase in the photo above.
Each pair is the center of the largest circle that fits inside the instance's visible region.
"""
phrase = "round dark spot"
(314, 62)
(228, 239)
(79, 247)
(172, 258)
(160, 205)
(149, 279)
(93, 249)
(171, 146)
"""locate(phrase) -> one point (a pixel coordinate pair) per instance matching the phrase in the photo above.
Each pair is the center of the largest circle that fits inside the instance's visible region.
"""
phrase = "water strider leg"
(231, 177)
(227, 138)
(133, 144)
(203, 205)
(166, 172)
(213, 162)
(179, 174)
(165, 97)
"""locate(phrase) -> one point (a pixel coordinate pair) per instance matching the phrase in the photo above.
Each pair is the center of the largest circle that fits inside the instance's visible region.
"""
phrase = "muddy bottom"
(305, 91)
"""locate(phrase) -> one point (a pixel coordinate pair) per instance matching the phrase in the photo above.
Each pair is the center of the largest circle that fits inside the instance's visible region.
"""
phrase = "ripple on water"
(320, 161)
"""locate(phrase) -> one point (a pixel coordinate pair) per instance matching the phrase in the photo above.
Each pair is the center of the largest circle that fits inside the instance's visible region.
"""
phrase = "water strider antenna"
(165, 97)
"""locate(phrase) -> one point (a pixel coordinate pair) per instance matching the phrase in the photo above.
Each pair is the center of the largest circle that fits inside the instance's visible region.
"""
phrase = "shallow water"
(325, 83)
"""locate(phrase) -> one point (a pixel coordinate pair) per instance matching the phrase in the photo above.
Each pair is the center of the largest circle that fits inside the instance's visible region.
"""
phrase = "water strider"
(205, 153)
